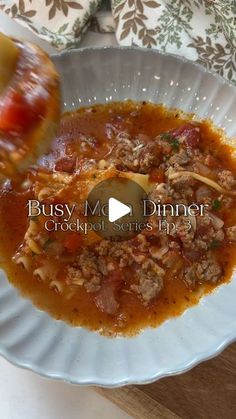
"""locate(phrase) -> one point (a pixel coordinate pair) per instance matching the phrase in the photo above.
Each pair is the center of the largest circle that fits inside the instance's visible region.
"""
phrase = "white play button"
(117, 209)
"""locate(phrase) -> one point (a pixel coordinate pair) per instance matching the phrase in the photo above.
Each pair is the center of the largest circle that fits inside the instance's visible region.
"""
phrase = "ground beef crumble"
(150, 284)
(136, 156)
(86, 271)
(226, 179)
(231, 233)
(207, 270)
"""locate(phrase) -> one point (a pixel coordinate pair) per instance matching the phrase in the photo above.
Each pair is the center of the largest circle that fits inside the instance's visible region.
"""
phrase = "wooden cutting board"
(206, 392)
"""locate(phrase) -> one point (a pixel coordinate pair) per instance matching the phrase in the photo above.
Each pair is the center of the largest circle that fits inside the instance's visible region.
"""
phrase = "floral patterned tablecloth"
(201, 30)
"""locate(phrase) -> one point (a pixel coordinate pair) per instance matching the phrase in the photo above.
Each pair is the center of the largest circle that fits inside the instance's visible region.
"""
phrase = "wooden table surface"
(208, 391)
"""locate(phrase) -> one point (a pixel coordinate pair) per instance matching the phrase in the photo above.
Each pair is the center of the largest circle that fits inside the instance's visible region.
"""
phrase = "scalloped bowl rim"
(214, 350)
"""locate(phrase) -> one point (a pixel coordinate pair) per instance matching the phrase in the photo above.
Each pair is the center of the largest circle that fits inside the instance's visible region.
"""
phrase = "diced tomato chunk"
(192, 255)
(19, 111)
(157, 175)
(66, 164)
(211, 162)
(73, 242)
(190, 133)
(106, 298)
(105, 301)
(115, 279)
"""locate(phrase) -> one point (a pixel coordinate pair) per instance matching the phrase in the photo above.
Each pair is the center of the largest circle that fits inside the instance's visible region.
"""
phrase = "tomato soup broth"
(122, 287)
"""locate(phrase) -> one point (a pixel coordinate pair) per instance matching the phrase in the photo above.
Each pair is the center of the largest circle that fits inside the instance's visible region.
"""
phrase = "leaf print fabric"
(60, 22)
(201, 30)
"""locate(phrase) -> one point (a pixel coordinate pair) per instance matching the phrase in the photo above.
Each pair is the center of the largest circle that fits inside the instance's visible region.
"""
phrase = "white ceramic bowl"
(32, 339)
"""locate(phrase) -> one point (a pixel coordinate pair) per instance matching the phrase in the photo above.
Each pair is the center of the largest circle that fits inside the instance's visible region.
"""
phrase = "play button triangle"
(117, 209)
